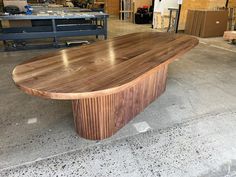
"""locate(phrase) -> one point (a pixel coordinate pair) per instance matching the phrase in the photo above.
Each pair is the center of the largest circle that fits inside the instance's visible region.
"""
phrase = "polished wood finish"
(100, 117)
(100, 68)
(109, 82)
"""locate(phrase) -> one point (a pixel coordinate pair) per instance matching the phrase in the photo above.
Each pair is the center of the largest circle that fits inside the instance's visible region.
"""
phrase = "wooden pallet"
(230, 36)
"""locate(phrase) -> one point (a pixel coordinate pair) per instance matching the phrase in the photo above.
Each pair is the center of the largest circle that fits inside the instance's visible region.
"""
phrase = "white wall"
(164, 5)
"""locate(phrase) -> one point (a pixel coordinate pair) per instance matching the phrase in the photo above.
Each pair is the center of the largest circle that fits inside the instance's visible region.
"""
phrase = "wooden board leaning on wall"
(200, 4)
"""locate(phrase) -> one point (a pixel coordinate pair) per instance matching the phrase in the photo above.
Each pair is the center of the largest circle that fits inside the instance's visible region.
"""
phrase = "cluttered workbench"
(53, 23)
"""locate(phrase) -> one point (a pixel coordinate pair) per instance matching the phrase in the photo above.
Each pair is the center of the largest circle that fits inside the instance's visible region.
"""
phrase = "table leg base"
(101, 117)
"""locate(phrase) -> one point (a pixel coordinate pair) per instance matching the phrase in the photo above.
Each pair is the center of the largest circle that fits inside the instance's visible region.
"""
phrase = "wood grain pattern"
(101, 117)
(100, 68)
(109, 82)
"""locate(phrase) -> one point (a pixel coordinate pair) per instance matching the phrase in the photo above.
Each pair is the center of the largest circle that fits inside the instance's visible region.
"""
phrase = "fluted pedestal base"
(101, 117)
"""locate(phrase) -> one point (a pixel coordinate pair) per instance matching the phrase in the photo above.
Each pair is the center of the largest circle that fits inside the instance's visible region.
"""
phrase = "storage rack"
(127, 10)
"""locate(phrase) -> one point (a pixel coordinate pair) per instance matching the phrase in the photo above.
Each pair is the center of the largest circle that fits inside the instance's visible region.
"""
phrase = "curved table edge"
(76, 96)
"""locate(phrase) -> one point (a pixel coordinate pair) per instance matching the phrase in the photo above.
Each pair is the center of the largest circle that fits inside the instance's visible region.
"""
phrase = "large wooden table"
(109, 82)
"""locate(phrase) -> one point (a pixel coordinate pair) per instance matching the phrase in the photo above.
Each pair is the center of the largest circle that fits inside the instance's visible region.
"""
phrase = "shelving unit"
(127, 10)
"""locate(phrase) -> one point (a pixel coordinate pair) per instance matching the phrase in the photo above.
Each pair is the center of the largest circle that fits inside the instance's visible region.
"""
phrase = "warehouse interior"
(186, 131)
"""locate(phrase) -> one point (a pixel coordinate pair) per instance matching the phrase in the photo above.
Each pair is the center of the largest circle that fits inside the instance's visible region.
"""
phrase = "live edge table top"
(100, 68)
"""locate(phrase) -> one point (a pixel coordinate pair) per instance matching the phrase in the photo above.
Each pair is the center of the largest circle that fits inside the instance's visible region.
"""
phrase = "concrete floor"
(192, 125)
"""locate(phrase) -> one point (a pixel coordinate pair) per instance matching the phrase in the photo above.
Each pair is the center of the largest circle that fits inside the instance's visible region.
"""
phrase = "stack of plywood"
(201, 4)
(196, 4)
(206, 23)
